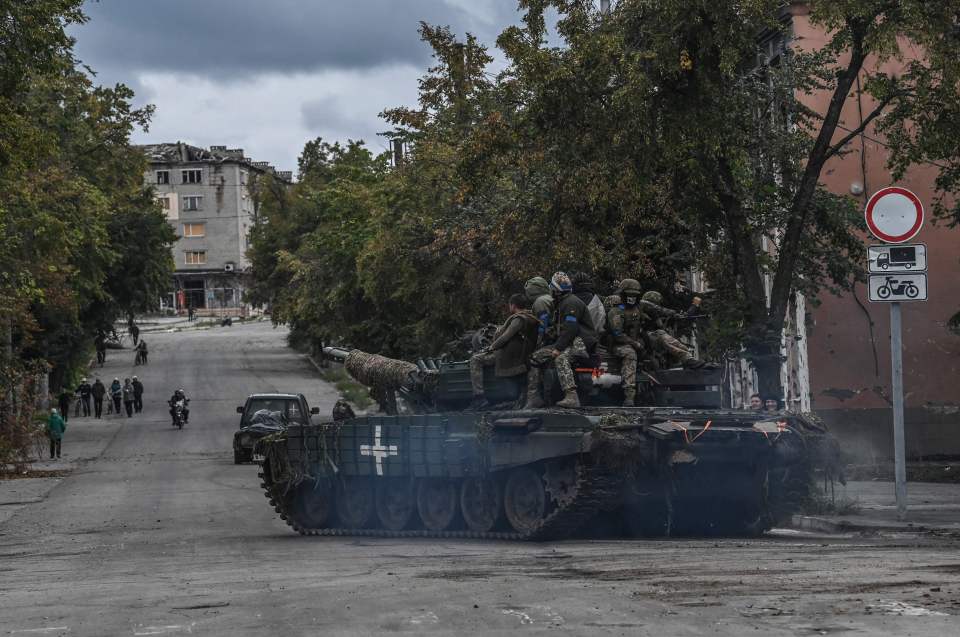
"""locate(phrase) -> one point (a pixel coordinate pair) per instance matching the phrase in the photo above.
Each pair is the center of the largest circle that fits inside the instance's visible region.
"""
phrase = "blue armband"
(570, 318)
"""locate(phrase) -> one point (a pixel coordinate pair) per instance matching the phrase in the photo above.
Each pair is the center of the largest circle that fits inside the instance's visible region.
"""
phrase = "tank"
(684, 465)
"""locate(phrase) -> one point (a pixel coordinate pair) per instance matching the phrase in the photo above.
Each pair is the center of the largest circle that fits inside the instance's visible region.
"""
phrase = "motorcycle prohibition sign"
(898, 288)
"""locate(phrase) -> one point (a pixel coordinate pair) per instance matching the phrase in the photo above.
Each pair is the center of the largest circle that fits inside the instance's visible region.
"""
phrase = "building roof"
(180, 153)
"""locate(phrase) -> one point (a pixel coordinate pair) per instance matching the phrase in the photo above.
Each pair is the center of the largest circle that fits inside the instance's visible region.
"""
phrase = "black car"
(264, 414)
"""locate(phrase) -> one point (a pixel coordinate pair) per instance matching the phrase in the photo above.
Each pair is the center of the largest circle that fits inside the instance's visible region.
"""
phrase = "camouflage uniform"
(562, 363)
(576, 337)
(477, 362)
(666, 343)
(626, 334)
(625, 321)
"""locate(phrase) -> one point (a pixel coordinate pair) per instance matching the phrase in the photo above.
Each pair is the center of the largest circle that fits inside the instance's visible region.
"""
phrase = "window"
(281, 408)
(193, 202)
(194, 229)
(192, 176)
(163, 177)
(195, 257)
(164, 203)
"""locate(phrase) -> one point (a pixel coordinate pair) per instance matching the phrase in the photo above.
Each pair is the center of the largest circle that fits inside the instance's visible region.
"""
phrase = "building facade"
(848, 337)
(206, 196)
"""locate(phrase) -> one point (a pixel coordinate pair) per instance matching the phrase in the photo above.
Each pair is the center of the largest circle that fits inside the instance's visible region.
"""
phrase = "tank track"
(597, 489)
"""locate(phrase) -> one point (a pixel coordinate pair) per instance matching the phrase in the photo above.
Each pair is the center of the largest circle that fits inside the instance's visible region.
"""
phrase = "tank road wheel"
(313, 503)
(395, 503)
(354, 503)
(437, 503)
(480, 503)
(524, 499)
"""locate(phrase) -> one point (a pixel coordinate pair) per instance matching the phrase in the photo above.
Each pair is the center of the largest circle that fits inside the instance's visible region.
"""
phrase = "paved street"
(157, 532)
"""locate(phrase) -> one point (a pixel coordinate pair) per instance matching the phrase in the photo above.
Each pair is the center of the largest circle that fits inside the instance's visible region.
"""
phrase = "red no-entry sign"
(894, 214)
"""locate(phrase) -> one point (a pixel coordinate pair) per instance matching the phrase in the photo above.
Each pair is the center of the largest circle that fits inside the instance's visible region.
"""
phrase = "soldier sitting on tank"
(655, 313)
(512, 345)
(538, 294)
(576, 339)
(625, 339)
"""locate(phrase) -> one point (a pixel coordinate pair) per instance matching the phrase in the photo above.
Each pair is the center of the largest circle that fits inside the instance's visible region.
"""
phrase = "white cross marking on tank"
(378, 450)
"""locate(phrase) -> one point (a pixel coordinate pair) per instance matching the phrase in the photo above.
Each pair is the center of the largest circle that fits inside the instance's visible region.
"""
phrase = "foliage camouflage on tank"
(545, 474)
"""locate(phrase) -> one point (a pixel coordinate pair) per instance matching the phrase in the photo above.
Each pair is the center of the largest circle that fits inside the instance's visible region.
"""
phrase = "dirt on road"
(157, 532)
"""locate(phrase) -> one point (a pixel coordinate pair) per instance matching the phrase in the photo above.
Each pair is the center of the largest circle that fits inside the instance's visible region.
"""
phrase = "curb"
(825, 525)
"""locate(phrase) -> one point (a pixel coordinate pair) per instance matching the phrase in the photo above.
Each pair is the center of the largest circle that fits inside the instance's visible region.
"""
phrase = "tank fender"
(510, 450)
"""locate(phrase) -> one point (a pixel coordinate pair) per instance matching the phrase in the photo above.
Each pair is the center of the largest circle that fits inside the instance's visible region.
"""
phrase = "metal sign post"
(898, 274)
(899, 442)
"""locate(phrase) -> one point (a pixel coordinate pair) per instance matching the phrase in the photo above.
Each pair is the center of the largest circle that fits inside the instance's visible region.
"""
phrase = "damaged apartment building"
(206, 197)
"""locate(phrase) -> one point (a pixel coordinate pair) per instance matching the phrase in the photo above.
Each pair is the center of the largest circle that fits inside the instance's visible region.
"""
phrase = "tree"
(728, 140)
(653, 140)
(82, 241)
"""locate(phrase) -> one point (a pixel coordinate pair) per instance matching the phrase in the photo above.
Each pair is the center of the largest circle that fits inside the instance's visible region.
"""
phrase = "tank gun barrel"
(336, 354)
(378, 371)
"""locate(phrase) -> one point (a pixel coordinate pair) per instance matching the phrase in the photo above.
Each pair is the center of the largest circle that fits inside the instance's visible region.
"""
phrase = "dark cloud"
(233, 37)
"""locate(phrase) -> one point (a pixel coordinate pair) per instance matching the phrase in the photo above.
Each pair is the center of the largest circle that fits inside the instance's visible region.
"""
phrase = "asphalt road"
(156, 532)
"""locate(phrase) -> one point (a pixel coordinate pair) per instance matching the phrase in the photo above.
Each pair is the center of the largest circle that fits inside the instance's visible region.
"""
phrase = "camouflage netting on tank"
(617, 449)
(374, 370)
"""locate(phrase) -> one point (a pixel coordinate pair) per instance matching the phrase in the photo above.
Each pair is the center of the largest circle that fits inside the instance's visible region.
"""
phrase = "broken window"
(191, 176)
(164, 203)
(193, 202)
(195, 257)
(163, 177)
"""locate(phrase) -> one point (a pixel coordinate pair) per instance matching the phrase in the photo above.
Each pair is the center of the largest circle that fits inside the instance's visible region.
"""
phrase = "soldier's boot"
(534, 401)
(628, 397)
(570, 399)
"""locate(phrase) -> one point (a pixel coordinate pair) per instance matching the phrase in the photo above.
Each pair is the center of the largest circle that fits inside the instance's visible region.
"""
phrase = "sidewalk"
(930, 507)
(86, 440)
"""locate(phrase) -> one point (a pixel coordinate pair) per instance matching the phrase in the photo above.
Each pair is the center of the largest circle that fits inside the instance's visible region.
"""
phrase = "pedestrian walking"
(116, 393)
(55, 428)
(134, 332)
(141, 358)
(137, 394)
(98, 390)
(128, 396)
(63, 401)
(101, 348)
(85, 390)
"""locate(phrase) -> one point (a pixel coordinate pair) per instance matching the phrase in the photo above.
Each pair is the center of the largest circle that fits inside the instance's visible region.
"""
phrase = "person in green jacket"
(55, 428)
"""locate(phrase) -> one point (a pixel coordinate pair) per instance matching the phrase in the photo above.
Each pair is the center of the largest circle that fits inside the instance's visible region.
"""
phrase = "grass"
(351, 391)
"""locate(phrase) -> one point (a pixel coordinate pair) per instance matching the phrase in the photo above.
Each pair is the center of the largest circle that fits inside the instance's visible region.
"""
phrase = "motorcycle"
(179, 413)
(898, 287)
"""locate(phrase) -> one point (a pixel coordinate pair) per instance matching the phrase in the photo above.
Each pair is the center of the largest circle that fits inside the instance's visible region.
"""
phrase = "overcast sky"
(268, 75)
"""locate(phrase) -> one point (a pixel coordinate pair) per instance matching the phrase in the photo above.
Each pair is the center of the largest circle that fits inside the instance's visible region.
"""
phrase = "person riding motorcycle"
(179, 395)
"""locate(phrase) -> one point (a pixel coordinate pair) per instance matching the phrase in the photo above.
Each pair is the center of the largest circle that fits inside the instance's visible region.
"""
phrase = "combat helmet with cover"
(629, 287)
(654, 297)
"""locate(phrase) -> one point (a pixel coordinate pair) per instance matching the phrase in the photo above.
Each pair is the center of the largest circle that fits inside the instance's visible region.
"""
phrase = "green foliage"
(661, 137)
(82, 242)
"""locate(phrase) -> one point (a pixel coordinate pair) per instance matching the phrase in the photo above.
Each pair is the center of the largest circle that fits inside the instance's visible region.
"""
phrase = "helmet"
(629, 286)
(653, 297)
(560, 282)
